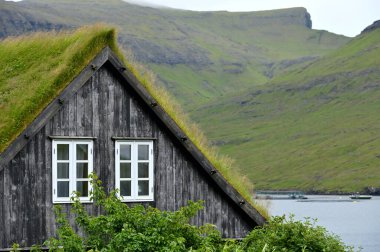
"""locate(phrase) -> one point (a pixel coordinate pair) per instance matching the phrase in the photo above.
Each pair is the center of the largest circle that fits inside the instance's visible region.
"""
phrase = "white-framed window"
(134, 170)
(72, 164)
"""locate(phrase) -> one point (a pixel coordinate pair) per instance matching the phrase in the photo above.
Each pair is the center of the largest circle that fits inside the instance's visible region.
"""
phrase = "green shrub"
(123, 228)
(282, 234)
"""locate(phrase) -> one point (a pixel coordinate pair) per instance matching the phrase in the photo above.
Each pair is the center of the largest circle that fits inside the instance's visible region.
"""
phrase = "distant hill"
(316, 127)
(16, 20)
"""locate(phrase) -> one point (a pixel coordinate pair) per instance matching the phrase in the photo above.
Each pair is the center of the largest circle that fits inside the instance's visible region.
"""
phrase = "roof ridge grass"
(61, 57)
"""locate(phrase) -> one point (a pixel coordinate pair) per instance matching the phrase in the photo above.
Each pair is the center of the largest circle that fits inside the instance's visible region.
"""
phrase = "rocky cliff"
(15, 21)
(374, 26)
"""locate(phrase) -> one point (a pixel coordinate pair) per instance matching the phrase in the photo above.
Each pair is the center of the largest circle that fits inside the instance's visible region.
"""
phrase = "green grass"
(34, 69)
(313, 128)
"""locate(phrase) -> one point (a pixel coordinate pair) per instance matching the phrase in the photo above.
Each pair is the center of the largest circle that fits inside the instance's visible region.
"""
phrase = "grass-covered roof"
(34, 69)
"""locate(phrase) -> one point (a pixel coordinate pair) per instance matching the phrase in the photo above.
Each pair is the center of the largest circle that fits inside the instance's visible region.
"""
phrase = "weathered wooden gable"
(106, 107)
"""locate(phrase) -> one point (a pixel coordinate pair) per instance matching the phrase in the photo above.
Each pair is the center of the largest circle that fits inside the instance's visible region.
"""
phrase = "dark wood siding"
(104, 108)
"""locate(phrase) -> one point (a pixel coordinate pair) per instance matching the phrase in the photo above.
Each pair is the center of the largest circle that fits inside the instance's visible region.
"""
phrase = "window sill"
(136, 200)
(72, 137)
(71, 202)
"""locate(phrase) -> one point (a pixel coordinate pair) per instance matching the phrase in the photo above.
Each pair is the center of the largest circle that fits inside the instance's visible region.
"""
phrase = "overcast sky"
(347, 17)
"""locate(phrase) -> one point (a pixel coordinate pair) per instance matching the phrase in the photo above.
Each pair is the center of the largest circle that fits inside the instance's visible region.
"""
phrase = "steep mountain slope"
(313, 128)
(200, 55)
(16, 20)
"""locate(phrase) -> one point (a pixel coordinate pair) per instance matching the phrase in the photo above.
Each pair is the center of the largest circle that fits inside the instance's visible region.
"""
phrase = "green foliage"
(123, 228)
(15, 247)
(67, 240)
(282, 234)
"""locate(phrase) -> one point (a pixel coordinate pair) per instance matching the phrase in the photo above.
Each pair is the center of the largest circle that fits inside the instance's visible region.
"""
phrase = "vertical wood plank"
(217, 215)
(41, 179)
(133, 117)
(102, 134)
(2, 194)
(48, 185)
(30, 197)
(88, 112)
(64, 119)
(170, 189)
(118, 110)
(178, 178)
(72, 120)
(7, 202)
(109, 93)
(79, 112)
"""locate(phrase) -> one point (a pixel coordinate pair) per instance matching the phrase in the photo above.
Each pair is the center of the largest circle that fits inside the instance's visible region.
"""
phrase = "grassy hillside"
(199, 56)
(314, 128)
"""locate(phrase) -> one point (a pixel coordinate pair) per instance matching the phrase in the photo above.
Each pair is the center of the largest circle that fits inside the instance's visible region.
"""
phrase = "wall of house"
(105, 108)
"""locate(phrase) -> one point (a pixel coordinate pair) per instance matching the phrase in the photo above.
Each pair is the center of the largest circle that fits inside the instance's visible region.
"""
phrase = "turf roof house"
(105, 120)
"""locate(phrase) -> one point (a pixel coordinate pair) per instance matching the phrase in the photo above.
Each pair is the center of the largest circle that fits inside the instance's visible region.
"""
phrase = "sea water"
(357, 223)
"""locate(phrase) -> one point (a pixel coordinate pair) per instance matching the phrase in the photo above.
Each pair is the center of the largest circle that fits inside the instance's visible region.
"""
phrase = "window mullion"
(133, 170)
(90, 165)
(72, 167)
(117, 164)
(55, 172)
(151, 174)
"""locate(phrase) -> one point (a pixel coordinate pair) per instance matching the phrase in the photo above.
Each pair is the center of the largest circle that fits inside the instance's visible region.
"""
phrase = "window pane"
(82, 170)
(143, 152)
(143, 170)
(125, 152)
(125, 188)
(62, 152)
(125, 170)
(143, 188)
(82, 151)
(82, 188)
(62, 170)
(63, 189)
